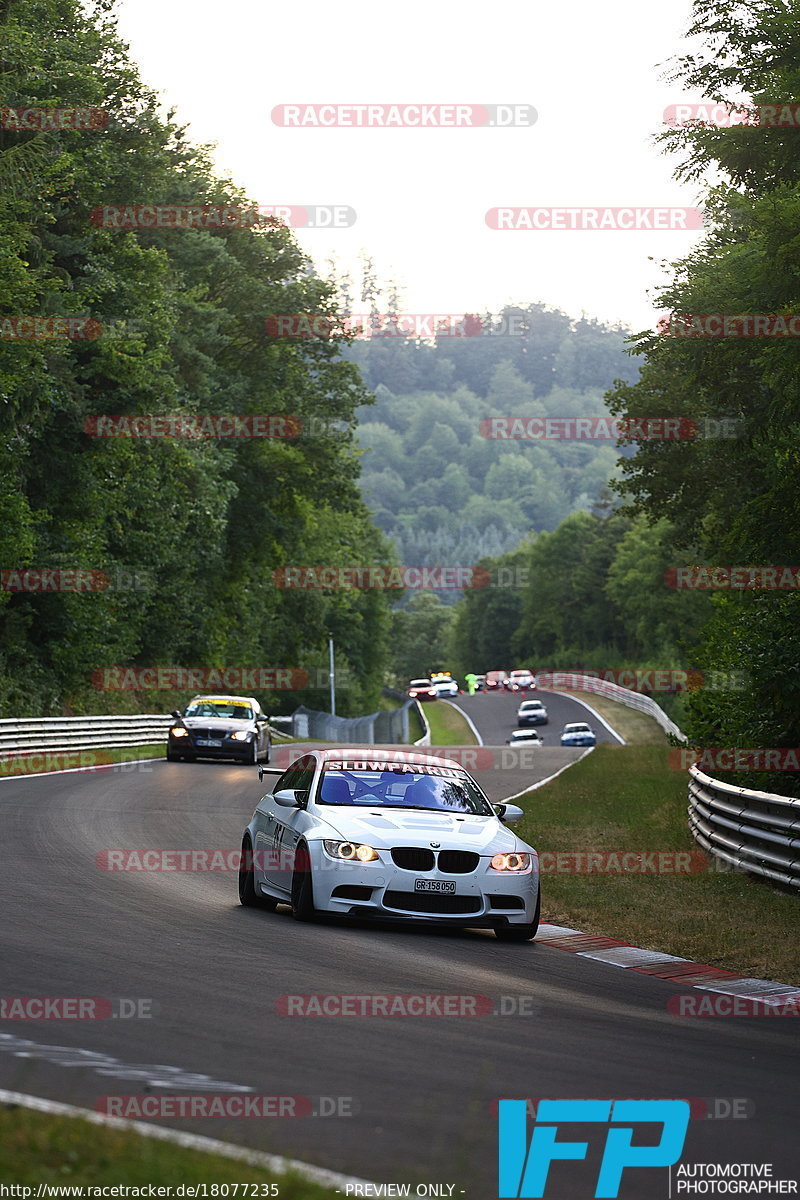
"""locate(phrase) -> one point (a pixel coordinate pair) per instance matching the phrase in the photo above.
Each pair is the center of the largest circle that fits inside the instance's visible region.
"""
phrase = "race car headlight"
(511, 862)
(350, 851)
(241, 735)
(179, 731)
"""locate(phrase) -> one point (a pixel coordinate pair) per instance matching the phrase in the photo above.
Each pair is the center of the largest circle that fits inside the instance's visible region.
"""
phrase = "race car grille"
(457, 862)
(413, 858)
(431, 902)
(221, 734)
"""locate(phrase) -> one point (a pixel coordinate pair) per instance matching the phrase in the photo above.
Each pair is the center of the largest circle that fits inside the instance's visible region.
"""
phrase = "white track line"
(469, 721)
(549, 778)
(189, 1141)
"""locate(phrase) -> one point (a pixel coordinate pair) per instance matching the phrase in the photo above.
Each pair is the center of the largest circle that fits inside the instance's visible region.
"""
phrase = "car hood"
(384, 828)
(217, 723)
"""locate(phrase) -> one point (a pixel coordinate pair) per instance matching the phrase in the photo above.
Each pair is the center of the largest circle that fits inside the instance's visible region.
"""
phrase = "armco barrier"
(755, 831)
(385, 726)
(572, 682)
(36, 734)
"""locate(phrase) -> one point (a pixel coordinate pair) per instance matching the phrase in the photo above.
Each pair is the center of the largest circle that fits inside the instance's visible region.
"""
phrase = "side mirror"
(286, 798)
(509, 814)
(176, 715)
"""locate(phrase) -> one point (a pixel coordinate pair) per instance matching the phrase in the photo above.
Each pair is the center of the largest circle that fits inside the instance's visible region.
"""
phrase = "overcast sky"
(591, 71)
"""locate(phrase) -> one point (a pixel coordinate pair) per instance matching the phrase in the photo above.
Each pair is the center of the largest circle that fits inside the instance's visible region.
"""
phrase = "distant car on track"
(496, 681)
(521, 681)
(362, 833)
(480, 683)
(444, 686)
(220, 727)
(421, 689)
(577, 733)
(526, 737)
(532, 712)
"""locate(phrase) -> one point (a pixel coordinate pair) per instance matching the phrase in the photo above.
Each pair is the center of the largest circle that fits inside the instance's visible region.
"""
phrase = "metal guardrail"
(37, 734)
(572, 682)
(383, 726)
(755, 831)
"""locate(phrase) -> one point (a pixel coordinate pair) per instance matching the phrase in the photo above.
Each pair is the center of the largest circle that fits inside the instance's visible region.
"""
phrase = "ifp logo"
(523, 1169)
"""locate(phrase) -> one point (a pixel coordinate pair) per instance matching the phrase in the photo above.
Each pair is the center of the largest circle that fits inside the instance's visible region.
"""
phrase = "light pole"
(331, 675)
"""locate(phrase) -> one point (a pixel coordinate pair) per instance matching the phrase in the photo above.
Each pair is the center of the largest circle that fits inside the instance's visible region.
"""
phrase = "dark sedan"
(220, 727)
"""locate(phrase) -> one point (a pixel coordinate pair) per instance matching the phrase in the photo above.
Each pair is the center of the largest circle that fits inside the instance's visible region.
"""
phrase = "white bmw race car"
(390, 834)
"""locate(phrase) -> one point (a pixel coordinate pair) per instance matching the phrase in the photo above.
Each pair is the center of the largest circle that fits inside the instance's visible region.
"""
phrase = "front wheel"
(302, 886)
(248, 896)
(521, 933)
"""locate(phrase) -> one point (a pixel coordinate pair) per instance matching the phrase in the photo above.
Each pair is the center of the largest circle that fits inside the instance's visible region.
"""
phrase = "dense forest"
(439, 485)
(182, 533)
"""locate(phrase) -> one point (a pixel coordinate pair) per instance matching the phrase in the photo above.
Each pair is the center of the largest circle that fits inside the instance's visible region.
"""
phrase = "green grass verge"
(37, 1148)
(637, 728)
(448, 727)
(628, 798)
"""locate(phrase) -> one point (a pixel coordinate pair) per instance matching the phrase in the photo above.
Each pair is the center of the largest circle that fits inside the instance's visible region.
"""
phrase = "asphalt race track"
(415, 1093)
(495, 715)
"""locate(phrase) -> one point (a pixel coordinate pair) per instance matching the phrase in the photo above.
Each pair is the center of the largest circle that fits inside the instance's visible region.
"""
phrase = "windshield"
(442, 789)
(219, 708)
(577, 729)
(420, 683)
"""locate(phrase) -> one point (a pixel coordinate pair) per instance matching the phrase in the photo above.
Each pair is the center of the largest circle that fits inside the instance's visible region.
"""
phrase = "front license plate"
(435, 885)
(208, 742)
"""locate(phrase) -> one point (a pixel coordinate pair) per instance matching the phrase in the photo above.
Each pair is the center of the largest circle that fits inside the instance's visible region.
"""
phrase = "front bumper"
(483, 897)
(188, 747)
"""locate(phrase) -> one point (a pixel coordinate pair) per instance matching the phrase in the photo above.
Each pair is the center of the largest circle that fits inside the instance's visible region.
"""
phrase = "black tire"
(302, 886)
(521, 933)
(248, 896)
(251, 756)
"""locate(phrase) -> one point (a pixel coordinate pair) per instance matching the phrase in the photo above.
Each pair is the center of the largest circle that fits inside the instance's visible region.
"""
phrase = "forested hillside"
(443, 490)
(182, 533)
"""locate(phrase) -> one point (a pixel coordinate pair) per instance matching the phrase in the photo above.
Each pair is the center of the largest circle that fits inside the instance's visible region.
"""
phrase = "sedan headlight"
(511, 862)
(350, 851)
(241, 735)
(178, 731)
